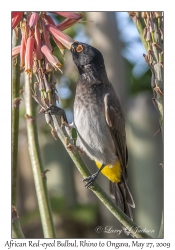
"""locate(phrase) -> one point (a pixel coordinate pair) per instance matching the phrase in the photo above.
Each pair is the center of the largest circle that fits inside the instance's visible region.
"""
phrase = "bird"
(100, 124)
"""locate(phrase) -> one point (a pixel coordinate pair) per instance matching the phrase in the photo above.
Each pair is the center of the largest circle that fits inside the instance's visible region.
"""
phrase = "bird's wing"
(116, 123)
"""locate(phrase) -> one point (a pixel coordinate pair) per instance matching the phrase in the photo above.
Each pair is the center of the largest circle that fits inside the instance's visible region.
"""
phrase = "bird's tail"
(120, 192)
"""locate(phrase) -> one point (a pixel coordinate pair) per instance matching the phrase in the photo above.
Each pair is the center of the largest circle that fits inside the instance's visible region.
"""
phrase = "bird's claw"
(90, 180)
(65, 124)
(59, 111)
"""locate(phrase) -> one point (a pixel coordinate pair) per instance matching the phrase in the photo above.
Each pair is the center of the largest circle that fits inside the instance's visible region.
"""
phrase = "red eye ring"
(79, 48)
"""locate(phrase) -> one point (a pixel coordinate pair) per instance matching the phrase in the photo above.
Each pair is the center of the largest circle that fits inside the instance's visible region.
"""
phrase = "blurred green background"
(76, 210)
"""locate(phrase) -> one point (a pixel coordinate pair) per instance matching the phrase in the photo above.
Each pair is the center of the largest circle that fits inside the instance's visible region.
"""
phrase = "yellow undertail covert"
(112, 172)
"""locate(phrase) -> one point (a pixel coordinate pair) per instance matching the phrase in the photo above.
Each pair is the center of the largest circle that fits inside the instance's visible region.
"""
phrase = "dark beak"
(73, 47)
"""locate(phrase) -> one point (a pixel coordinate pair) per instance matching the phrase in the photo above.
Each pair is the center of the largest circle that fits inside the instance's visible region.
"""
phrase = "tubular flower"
(59, 45)
(38, 52)
(70, 15)
(49, 20)
(33, 20)
(46, 35)
(59, 35)
(35, 29)
(35, 50)
(16, 13)
(66, 24)
(24, 30)
(16, 51)
(22, 53)
(29, 55)
(51, 58)
(16, 16)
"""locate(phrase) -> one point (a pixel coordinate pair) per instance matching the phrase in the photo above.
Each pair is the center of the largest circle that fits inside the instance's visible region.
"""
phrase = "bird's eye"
(79, 48)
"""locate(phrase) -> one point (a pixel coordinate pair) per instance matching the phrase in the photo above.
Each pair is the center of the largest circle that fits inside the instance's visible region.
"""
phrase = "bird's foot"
(90, 179)
(65, 124)
(59, 111)
(53, 109)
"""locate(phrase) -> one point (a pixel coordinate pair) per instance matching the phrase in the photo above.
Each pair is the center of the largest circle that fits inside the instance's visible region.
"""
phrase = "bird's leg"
(71, 130)
(59, 111)
(93, 177)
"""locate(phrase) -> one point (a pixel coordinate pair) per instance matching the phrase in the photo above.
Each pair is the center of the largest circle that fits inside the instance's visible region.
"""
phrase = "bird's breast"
(94, 136)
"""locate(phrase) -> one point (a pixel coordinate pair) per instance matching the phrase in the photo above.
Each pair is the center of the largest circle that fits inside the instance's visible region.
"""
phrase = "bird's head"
(86, 57)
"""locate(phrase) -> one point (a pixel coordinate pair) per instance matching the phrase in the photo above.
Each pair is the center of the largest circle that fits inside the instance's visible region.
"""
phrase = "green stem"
(161, 231)
(16, 230)
(98, 191)
(157, 72)
(37, 168)
(15, 121)
(159, 101)
(140, 24)
(16, 227)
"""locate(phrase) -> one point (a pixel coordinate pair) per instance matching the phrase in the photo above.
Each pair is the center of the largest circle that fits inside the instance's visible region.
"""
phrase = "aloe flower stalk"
(37, 59)
(150, 27)
(36, 30)
(36, 52)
